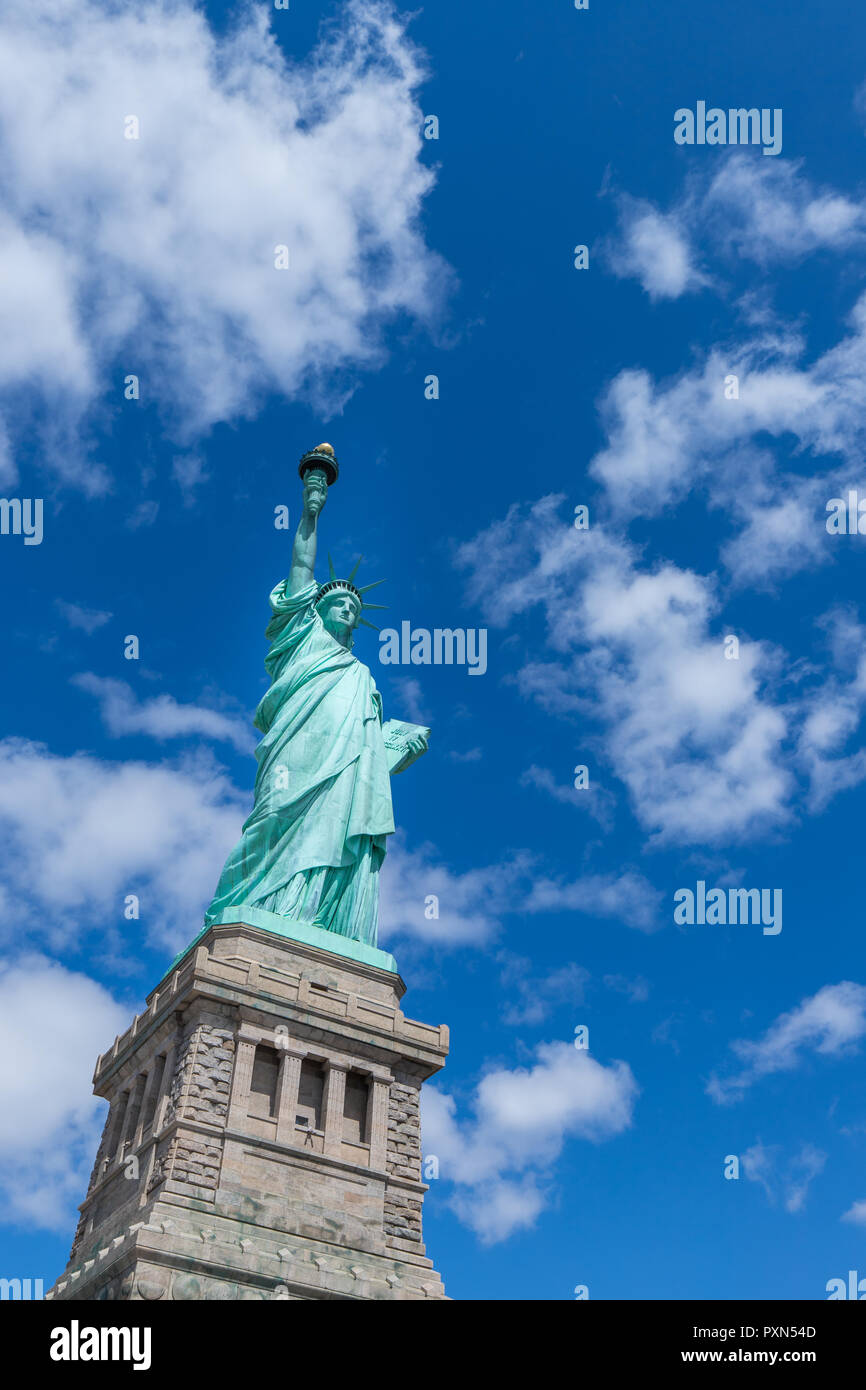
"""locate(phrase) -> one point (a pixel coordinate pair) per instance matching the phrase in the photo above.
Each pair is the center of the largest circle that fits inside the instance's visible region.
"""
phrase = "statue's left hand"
(416, 746)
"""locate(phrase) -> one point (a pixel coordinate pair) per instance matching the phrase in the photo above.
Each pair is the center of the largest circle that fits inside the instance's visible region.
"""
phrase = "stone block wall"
(404, 1130)
(203, 1071)
(402, 1216)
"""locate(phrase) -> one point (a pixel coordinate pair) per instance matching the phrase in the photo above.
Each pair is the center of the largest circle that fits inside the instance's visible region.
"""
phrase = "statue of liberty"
(312, 849)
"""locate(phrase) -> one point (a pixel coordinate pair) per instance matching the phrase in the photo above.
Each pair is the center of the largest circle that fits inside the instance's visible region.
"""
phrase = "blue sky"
(557, 387)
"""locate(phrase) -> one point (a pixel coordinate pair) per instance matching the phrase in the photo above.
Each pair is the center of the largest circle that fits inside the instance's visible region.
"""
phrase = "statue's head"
(340, 611)
(339, 605)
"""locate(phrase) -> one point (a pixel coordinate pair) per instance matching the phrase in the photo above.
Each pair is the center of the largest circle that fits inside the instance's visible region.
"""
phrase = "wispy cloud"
(597, 800)
(785, 1179)
(538, 995)
(161, 717)
(627, 896)
(638, 989)
(827, 1024)
(89, 620)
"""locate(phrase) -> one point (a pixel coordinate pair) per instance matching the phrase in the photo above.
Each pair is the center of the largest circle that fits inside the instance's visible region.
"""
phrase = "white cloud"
(89, 620)
(627, 895)
(828, 1024)
(8, 471)
(666, 440)
(78, 834)
(596, 799)
(782, 1179)
(409, 698)
(694, 737)
(161, 717)
(500, 1158)
(497, 1209)
(833, 712)
(711, 750)
(771, 212)
(472, 755)
(637, 989)
(655, 250)
(747, 210)
(856, 1213)
(145, 514)
(539, 995)
(54, 1023)
(156, 255)
(469, 905)
(688, 436)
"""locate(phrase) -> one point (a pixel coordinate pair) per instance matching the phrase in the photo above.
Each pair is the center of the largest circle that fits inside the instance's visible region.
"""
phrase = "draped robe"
(312, 848)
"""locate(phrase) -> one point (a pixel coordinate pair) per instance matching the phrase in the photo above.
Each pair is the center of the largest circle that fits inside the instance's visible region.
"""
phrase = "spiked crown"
(335, 585)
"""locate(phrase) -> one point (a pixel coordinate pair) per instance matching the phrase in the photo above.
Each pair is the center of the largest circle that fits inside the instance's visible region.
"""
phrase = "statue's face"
(340, 613)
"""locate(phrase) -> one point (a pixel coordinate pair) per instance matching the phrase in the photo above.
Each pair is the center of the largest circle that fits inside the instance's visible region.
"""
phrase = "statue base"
(297, 931)
(263, 1138)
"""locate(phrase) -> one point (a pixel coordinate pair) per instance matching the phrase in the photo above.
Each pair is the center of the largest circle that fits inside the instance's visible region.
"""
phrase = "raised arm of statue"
(304, 549)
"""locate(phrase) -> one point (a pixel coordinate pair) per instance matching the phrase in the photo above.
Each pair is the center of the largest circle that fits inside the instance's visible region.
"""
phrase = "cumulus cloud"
(827, 1024)
(773, 212)
(54, 1023)
(663, 440)
(156, 255)
(654, 249)
(501, 1158)
(161, 717)
(77, 834)
(711, 750)
(695, 738)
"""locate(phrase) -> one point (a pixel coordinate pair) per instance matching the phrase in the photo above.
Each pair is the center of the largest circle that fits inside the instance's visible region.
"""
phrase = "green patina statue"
(311, 851)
